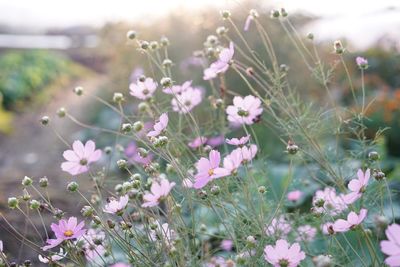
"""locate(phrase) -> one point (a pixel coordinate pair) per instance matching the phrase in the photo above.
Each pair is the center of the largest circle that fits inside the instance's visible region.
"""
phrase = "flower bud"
(284, 68)
(143, 106)
(292, 148)
(167, 63)
(13, 202)
(322, 261)
(131, 35)
(160, 141)
(378, 175)
(207, 148)
(118, 97)
(262, 189)
(373, 155)
(284, 13)
(34, 204)
(45, 120)
(164, 41)
(61, 112)
(78, 90)
(221, 30)
(136, 176)
(275, 13)
(250, 71)
(118, 188)
(166, 82)
(96, 220)
(73, 186)
(27, 263)
(381, 222)
(310, 36)
(226, 14)
(253, 13)
(138, 126)
(126, 128)
(26, 181)
(203, 227)
(251, 241)
(169, 168)
(144, 45)
(219, 103)
(202, 194)
(122, 164)
(338, 47)
(25, 196)
(87, 211)
(215, 190)
(58, 213)
(154, 45)
(108, 150)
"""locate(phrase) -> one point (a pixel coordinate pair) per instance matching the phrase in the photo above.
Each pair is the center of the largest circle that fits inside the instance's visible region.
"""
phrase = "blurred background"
(49, 47)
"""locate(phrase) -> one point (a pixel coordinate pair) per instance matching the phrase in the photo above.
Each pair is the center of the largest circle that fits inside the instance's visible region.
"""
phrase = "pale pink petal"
(79, 149)
(70, 155)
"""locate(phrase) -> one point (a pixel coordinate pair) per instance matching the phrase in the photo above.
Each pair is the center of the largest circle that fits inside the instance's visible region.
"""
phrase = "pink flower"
(327, 228)
(187, 100)
(362, 63)
(208, 169)
(177, 89)
(116, 206)
(221, 65)
(131, 152)
(294, 195)
(53, 258)
(159, 126)
(157, 192)
(391, 247)
(143, 90)
(357, 186)
(90, 244)
(278, 227)
(215, 141)
(65, 230)
(226, 244)
(306, 233)
(248, 153)
(197, 142)
(219, 261)
(120, 264)
(327, 201)
(233, 161)
(80, 157)
(244, 110)
(163, 232)
(283, 255)
(238, 142)
(352, 221)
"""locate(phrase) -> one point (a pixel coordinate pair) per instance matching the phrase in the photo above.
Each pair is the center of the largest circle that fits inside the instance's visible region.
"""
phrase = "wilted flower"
(116, 206)
(157, 192)
(238, 142)
(221, 65)
(159, 126)
(143, 89)
(306, 233)
(357, 186)
(283, 255)
(79, 159)
(352, 221)
(208, 169)
(391, 247)
(244, 110)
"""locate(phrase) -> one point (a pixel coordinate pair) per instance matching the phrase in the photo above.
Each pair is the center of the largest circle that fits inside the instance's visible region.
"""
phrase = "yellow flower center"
(68, 233)
(210, 172)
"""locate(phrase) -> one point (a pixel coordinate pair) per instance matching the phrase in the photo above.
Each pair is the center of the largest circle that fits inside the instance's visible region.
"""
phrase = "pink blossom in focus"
(187, 100)
(294, 195)
(357, 186)
(283, 254)
(158, 191)
(116, 206)
(352, 221)
(143, 90)
(226, 244)
(238, 142)
(65, 230)
(306, 233)
(159, 126)
(244, 110)
(208, 169)
(391, 247)
(79, 159)
(221, 65)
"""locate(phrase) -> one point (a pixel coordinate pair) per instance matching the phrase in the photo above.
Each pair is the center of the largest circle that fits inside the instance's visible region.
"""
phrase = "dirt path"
(35, 151)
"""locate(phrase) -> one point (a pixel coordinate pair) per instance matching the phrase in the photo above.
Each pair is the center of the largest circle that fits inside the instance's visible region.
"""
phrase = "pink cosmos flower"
(164, 233)
(357, 186)
(53, 258)
(327, 201)
(157, 192)
(177, 89)
(391, 247)
(283, 255)
(362, 63)
(116, 206)
(79, 159)
(306, 233)
(197, 142)
(278, 227)
(143, 90)
(159, 126)
(208, 169)
(233, 161)
(327, 228)
(187, 100)
(132, 153)
(352, 221)
(92, 249)
(215, 141)
(226, 244)
(244, 110)
(221, 65)
(238, 142)
(248, 153)
(65, 230)
(294, 195)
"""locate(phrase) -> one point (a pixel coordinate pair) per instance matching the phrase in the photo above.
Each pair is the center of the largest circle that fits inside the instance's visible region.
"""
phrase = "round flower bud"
(143, 106)
(131, 35)
(381, 221)
(118, 188)
(26, 181)
(13, 202)
(323, 261)
(379, 175)
(153, 45)
(215, 190)
(160, 141)
(284, 68)
(118, 97)
(78, 90)
(203, 227)
(169, 168)
(138, 126)
(262, 189)
(373, 155)
(253, 13)
(167, 63)
(108, 150)
(72, 186)
(284, 12)
(166, 82)
(122, 164)
(136, 184)
(212, 40)
(144, 45)
(292, 148)
(110, 224)
(338, 47)
(61, 112)
(310, 36)
(34, 204)
(275, 13)
(87, 211)
(207, 148)
(26, 196)
(164, 41)
(221, 30)
(251, 241)
(126, 128)
(27, 263)
(226, 14)
(126, 186)
(219, 103)
(96, 220)
(136, 176)
(240, 259)
(45, 120)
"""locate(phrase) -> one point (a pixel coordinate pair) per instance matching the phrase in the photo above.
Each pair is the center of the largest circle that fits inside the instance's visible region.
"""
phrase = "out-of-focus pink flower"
(238, 142)
(120, 264)
(327, 201)
(219, 261)
(1, 246)
(164, 233)
(294, 195)
(208, 169)
(306, 233)
(158, 191)
(136, 73)
(233, 161)
(187, 100)
(352, 221)
(116, 206)
(357, 186)
(244, 110)
(226, 244)
(177, 89)
(53, 258)
(197, 142)
(215, 141)
(143, 90)
(283, 254)
(249, 19)
(90, 240)
(65, 230)
(391, 247)
(362, 63)
(248, 153)
(187, 183)
(132, 153)
(278, 227)
(159, 126)
(221, 65)
(79, 159)
(327, 228)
